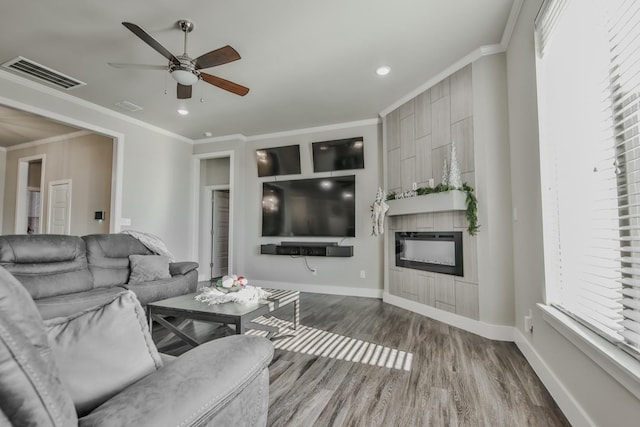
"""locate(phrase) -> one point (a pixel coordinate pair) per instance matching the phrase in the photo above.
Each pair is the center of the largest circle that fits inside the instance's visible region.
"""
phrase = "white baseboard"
(321, 289)
(487, 330)
(569, 406)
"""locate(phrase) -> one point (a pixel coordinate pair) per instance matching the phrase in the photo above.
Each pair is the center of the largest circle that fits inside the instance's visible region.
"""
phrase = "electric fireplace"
(437, 251)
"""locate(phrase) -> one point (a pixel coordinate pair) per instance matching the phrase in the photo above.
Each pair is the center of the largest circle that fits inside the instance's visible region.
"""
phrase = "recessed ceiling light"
(383, 71)
(183, 111)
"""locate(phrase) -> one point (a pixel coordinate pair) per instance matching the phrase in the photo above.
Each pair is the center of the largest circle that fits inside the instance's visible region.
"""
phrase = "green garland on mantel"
(471, 202)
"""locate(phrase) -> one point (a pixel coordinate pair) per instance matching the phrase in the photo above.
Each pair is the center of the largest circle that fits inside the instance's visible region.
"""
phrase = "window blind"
(588, 69)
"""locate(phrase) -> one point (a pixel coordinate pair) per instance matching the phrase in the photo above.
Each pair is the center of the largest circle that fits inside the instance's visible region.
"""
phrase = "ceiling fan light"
(186, 78)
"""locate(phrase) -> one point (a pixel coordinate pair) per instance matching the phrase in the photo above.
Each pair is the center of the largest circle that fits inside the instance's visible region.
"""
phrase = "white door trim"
(20, 219)
(50, 199)
(195, 235)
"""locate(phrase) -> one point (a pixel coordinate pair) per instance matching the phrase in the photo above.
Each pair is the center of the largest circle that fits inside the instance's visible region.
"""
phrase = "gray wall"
(157, 165)
(3, 165)
(216, 171)
(334, 274)
(86, 160)
(601, 397)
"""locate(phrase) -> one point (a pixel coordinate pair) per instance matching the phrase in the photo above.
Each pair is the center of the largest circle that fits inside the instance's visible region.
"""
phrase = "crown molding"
(511, 23)
(224, 138)
(478, 53)
(49, 140)
(5, 75)
(283, 134)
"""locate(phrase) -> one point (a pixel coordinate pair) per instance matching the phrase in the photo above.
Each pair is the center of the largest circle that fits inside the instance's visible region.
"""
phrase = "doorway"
(28, 213)
(214, 210)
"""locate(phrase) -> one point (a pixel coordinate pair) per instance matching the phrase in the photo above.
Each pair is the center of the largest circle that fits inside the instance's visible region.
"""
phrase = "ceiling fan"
(184, 69)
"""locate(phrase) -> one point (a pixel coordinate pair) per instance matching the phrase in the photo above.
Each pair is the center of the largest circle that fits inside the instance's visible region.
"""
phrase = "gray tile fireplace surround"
(443, 291)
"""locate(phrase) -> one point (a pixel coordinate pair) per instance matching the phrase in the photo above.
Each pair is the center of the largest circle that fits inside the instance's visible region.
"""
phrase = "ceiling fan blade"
(220, 56)
(225, 84)
(139, 66)
(145, 37)
(184, 92)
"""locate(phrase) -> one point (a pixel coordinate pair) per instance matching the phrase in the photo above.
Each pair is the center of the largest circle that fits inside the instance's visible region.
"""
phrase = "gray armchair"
(222, 382)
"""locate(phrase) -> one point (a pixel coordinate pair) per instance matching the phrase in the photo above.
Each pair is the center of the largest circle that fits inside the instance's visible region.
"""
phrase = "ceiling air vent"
(42, 73)
(128, 106)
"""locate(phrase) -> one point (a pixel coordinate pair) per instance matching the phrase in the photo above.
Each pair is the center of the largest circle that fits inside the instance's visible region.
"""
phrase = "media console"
(307, 249)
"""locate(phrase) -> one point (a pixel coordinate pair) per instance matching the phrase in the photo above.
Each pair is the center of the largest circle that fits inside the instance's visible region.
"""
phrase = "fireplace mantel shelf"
(454, 200)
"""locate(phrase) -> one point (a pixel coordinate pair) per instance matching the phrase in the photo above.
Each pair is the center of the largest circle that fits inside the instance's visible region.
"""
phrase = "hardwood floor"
(455, 377)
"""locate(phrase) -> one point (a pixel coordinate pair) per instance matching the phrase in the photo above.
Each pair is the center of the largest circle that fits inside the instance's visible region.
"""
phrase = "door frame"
(208, 202)
(22, 199)
(196, 197)
(50, 199)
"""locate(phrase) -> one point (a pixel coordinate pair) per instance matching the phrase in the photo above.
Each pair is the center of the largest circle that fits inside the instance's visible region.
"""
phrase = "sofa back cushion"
(108, 257)
(31, 392)
(46, 264)
(102, 350)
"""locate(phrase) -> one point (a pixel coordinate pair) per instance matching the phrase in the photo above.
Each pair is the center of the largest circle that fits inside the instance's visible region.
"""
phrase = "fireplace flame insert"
(439, 251)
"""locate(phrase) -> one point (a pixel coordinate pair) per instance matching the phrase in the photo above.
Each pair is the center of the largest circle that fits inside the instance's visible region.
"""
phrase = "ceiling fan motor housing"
(185, 71)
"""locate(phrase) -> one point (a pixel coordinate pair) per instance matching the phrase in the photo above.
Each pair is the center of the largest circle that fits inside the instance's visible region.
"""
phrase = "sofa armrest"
(192, 388)
(176, 268)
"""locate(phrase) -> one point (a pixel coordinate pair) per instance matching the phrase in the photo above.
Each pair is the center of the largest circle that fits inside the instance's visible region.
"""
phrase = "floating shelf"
(454, 200)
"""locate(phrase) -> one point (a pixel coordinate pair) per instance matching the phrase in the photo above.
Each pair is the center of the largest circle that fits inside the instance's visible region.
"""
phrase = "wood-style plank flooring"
(456, 378)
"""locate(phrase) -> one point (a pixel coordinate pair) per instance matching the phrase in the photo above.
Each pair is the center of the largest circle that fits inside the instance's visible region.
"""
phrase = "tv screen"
(340, 154)
(310, 207)
(278, 160)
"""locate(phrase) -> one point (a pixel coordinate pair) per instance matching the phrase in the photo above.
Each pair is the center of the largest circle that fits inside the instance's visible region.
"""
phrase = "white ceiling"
(307, 63)
(18, 127)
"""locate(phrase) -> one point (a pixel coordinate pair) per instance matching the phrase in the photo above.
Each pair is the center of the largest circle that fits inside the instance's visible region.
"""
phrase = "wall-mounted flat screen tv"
(337, 155)
(278, 160)
(316, 207)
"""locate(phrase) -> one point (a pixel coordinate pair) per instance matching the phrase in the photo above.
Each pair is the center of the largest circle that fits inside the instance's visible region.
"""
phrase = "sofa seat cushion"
(103, 350)
(108, 257)
(66, 305)
(146, 268)
(31, 392)
(47, 265)
(161, 289)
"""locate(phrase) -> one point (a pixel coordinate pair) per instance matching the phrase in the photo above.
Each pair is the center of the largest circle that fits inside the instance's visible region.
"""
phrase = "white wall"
(339, 275)
(493, 189)
(596, 394)
(157, 164)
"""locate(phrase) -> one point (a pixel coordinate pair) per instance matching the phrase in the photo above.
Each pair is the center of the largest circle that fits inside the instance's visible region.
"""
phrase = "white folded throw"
(246, 295)
(154, 243)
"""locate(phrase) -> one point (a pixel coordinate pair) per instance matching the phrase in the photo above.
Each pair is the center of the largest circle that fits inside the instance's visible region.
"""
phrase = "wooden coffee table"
(231, 313)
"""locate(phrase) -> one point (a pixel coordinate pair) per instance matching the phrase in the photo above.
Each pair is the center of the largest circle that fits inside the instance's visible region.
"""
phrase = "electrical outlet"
(528, 322)
(125, 221)
(432, 182)
(314, 271)
(363, 274)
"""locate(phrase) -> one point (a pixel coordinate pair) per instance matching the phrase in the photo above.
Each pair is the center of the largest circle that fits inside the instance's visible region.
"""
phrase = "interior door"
(219, 233)
(59, 207)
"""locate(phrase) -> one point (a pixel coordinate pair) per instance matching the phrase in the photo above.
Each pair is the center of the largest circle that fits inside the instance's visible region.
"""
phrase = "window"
(588, 70)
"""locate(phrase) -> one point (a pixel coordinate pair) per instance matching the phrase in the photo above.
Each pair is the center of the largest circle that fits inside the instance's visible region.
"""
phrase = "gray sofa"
(48, 374)
(67, 274)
